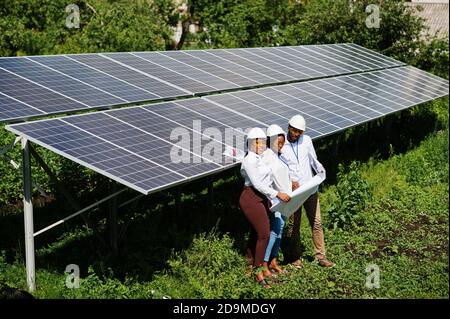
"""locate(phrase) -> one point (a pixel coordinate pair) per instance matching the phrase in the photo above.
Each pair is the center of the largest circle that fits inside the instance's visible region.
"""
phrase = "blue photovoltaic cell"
(103, 81)
(57, 82)
(12, 109)
(41, 100)
(355, 58)
(288, 74)
(157, 71)
(166, 130)
(232, 79)
(168, 61)
(370, 55)
(116, 130)
(324, 62)
(337, 58)
(182, 115)
(256, 78)
(298, 70)
(218, 113)
(127, 74)
(274, 102)
(272, 74)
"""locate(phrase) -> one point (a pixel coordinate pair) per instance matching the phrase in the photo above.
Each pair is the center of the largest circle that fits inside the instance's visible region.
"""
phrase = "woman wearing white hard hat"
(281, 181)
(255, 198)
(299, 154)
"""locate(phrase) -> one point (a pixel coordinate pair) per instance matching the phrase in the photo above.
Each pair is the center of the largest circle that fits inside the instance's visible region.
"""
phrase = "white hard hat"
(298, 122)
(256, 132)
(274, 130)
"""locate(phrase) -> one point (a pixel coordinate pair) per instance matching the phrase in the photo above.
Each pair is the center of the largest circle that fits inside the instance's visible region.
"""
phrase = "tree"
(29, 27)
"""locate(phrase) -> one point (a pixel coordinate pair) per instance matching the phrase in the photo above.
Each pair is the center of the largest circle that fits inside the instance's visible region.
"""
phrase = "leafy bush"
(30, 27)
(210, 268)
(353, 193)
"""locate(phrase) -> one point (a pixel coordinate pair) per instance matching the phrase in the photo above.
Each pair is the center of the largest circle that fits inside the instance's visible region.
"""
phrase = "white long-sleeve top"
(299, 156)
(280, 171)
(257, 174)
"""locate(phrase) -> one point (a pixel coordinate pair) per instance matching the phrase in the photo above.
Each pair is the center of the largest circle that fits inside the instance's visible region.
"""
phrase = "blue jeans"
(277, 222)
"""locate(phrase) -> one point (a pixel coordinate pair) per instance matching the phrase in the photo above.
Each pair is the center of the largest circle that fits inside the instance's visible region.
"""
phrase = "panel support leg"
(28, 216)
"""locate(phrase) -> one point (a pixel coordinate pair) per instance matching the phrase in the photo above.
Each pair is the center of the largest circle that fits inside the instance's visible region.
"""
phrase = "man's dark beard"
(292, 140)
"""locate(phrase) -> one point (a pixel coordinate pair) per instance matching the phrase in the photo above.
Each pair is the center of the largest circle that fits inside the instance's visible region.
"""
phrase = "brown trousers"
(256, 208)
(312, 208)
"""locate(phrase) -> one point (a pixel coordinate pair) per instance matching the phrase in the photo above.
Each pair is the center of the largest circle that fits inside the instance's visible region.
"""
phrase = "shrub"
(210, 268)
(352, 195)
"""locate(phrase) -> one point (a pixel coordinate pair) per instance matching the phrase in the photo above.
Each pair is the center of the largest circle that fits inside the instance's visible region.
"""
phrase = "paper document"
(298, 197)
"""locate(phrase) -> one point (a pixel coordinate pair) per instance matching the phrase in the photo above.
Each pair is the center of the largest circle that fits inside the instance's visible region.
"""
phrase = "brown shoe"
(326, 263)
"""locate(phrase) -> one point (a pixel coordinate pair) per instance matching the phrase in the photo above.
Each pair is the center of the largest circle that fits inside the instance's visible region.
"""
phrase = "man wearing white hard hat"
(255, 199)
(298, 152)
(281, 182)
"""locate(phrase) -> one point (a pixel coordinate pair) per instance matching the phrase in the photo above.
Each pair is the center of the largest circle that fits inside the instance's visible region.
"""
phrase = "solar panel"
(341, 59)
(173, 63)
(211, 67)
(68, 83)
(39, 100)
(248, 73)
(332, 104)
(58, 83)
(114, 86)
(131, 146)
(366, 54)
(127, 74)
(296, 69)
(135, 145)
(146, 66)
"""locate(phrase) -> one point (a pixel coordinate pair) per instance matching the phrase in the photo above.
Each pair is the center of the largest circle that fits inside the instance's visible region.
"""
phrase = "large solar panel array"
(43, 85)
(134, 145)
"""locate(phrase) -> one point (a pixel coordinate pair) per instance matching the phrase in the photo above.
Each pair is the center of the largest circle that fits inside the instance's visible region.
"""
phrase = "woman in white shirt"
(255, 198)
(281, 182)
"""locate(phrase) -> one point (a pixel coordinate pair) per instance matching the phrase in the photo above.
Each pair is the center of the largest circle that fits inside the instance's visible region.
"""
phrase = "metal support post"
(28, 217)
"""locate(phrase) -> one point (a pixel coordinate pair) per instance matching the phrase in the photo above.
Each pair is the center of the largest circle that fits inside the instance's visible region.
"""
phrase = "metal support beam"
(64, 191)
(28, 216)
(59, 222)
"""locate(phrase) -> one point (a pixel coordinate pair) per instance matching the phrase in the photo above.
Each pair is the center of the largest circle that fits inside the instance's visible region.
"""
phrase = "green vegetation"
(385, 201)
(352, 196)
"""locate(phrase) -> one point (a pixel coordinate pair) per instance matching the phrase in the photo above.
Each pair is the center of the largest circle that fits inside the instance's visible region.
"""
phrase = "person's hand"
(295, 185)
(284, 197)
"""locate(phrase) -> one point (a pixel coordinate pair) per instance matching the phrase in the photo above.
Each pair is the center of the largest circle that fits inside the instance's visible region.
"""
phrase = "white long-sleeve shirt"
(280, 171)
(299, 156)
(257, 174)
